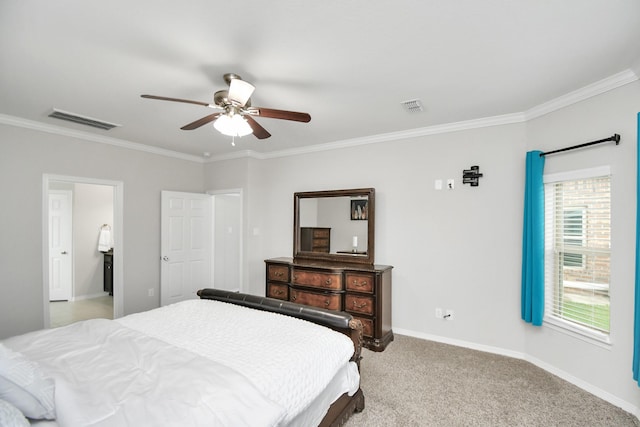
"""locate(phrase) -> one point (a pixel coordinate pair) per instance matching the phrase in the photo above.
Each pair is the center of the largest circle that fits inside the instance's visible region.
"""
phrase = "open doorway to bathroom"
(82, 218)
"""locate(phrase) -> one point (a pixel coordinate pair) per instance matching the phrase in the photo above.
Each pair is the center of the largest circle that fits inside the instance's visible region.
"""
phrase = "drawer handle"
(356, 305)
(279, 274)
(327, 282)
(293, 297)
(327, 303)
(279, 292)
(361, 284)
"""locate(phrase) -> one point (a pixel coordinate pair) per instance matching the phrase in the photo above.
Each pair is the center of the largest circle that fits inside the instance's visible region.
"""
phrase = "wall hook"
(471, 176)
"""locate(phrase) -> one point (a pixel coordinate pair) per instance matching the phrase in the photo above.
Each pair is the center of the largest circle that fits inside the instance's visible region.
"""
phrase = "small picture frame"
(359, 210)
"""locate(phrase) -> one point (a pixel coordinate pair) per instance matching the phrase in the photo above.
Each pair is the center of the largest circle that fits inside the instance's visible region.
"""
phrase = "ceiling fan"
(236, 115)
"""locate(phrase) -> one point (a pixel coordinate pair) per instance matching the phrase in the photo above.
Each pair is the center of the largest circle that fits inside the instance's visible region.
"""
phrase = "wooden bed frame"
(340, 411)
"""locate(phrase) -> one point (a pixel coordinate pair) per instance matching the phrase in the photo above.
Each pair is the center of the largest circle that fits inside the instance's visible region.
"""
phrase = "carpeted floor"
(416, 382)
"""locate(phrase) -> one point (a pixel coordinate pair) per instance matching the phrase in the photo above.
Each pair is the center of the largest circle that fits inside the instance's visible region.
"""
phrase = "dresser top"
(329, 264)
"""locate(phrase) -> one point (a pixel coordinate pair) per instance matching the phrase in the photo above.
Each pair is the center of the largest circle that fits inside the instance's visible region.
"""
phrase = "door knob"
(63, 252)
(165, 258)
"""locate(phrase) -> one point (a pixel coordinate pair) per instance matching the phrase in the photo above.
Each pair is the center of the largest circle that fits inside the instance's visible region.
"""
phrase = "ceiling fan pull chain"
(233, 141)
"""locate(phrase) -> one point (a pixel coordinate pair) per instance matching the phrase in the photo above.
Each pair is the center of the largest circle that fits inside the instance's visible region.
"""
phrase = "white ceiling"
(348, 63)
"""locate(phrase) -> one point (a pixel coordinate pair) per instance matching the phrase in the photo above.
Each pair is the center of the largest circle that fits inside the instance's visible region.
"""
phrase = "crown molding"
(597, 88)
(612, 82)
(406, 134)
(90, 137)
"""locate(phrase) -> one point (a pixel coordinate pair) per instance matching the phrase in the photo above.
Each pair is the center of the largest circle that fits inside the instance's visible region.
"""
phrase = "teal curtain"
(533, 241)
(636, 320)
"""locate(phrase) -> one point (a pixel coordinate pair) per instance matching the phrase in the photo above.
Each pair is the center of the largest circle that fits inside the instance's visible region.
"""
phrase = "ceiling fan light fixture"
(240, 91)
(233, 125)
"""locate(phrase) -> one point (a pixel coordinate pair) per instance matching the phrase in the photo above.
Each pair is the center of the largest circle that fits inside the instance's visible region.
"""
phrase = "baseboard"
(84, 297)
(590, 388)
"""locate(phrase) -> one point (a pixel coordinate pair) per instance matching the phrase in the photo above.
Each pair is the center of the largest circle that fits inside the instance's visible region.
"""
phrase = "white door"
(60, 245)
(185, 245)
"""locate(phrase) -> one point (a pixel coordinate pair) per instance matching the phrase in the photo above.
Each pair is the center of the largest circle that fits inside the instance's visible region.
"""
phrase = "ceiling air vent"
(83, 120)
(413, 105)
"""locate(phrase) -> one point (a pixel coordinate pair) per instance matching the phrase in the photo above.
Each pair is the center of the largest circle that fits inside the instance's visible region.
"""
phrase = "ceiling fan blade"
(188, 101)
(201, 122)
(240, 91)
(258, 130)
(281, 114)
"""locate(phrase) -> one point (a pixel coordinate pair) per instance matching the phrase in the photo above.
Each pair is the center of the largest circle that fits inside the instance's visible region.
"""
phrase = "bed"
(226, 359)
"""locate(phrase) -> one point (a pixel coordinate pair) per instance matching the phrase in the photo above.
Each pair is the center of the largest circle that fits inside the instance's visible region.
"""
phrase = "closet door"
(185, 245)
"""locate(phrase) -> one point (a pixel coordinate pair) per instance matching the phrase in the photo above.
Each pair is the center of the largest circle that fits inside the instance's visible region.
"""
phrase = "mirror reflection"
(337, 225)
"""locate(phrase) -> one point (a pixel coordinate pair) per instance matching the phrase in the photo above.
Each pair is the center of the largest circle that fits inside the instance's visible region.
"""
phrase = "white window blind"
(578, 249)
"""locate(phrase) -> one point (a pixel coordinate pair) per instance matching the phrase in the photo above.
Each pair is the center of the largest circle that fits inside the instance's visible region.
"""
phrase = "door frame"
(118, 237)
(239, 193)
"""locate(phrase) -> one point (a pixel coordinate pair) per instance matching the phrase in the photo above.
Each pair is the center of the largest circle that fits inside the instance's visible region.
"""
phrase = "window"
(578, 251)
(573, 235)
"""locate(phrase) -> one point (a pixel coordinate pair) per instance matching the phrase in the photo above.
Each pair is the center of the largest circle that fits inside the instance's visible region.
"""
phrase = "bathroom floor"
(65, 312)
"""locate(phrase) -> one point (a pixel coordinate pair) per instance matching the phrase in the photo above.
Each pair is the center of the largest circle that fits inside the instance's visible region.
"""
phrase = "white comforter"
(290, 361)
(188, 364)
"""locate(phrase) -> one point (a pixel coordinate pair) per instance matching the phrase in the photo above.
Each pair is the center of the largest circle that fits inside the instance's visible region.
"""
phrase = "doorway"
(97, 200)
(201, 243)
(227, 239)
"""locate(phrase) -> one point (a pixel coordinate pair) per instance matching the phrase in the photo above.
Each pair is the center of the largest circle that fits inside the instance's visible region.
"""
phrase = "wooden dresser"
(315, 239)
(362, 290)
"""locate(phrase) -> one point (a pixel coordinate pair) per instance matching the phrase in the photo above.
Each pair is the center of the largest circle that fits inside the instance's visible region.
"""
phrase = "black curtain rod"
(615, 138)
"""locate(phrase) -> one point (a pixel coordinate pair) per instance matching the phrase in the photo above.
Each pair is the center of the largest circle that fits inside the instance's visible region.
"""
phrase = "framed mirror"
(335, 225)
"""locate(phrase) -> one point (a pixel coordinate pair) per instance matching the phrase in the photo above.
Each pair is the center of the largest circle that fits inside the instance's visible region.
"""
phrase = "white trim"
(609, 83)
(577, 174)
(574, 330)
(461, 343)
(586, 92)
(91, 137)
(90, 296)
(393, 136)
(590, 388)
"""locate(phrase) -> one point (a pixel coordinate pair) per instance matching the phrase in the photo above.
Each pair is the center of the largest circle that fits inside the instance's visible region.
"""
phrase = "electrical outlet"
(438, 313)
(450, 183)
(151, 292)
(448, 314)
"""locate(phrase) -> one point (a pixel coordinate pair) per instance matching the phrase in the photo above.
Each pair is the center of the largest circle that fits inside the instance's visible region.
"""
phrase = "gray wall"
(455, 249)
(461, 249)
(92, 207)
(25, 155)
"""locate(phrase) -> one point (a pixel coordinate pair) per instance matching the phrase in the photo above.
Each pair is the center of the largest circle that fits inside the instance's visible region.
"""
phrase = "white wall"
(92, 207)
(25, 155)
(606, 369)
(443, 244)
(461, 249)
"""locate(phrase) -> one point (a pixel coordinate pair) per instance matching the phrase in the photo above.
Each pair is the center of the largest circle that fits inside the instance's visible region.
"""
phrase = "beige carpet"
(423, 383)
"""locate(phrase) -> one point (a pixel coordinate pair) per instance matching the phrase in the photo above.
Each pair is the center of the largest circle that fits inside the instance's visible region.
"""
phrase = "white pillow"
(10, 416)
(23, 384)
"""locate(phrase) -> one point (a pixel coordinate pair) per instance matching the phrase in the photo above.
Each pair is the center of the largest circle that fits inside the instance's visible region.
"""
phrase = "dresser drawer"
(278, 273)
(321, 233)
(320, 245)
(359, 282)
(278, 290)
(328, 301)
(359, 304)
(367, 326)
(316, 279)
